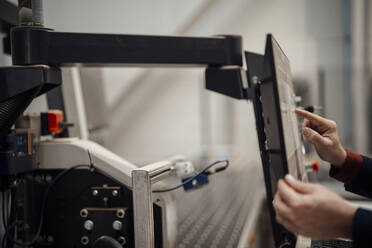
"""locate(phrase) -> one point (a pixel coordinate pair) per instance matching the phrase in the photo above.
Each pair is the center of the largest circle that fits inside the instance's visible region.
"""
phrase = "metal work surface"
(215, 216)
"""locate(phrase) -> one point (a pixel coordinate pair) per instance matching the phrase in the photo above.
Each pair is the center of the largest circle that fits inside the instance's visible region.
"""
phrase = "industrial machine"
(66, 192)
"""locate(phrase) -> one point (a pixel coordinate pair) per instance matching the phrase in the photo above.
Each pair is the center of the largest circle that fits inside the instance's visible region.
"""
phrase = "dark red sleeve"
(349, 170)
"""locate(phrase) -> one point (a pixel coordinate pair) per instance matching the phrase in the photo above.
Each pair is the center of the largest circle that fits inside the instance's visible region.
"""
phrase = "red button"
(315, 165)
(55, 117)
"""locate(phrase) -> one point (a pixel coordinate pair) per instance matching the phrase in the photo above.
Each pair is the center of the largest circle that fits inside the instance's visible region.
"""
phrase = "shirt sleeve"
(349, 170)
(356, 173)
(362, 226)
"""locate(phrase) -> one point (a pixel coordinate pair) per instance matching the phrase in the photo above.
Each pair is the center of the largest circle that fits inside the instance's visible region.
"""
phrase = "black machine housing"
(82, 196)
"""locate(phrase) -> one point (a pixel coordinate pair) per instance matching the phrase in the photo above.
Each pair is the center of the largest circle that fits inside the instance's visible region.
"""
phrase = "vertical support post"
(143, 209)
(74, 102)
(30, 12)
(358, 75)
(346, 75)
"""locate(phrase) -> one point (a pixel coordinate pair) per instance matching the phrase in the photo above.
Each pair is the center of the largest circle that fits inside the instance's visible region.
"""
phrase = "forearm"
(349, 170)
(356, 173)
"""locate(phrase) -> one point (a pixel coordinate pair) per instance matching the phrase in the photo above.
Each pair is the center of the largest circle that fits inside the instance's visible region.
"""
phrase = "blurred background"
(148, 114)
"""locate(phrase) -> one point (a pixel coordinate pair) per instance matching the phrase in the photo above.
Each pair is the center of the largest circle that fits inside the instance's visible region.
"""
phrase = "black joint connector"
(227, 81)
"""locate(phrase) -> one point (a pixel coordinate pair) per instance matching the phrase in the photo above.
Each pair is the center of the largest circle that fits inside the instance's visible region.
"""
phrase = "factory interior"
(170, 123)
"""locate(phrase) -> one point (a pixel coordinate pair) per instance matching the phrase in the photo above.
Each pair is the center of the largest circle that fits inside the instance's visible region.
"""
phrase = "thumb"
(312, 136)
(297, 185)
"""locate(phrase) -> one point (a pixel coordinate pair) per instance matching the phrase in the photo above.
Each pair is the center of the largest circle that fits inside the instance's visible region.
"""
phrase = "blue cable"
(193, 177)
(43, 207)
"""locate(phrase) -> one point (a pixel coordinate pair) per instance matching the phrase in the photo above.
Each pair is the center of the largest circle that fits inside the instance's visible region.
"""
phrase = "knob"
(106, 242)
(315, 165)
(88, 225)
(117, 225)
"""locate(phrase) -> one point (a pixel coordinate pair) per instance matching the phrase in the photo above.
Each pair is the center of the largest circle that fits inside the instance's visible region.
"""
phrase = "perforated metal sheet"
(214, 216)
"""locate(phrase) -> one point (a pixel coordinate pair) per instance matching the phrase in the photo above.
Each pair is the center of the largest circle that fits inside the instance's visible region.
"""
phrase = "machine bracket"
(228, 80)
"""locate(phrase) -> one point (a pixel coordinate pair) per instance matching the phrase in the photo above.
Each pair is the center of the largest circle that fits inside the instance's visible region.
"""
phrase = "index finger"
(306, 123)
(310, 116)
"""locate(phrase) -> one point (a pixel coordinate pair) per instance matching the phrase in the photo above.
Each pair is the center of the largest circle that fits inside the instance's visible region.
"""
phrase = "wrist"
(347, 219)
(341, 158)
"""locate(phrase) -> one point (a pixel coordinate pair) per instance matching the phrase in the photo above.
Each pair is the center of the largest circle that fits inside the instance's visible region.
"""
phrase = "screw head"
(122, 240)
(84, 240)
(84, 213)
(115, 192)
(48, 178)
(95, 192)
(120, 213)
(50, 239)
(88, 225)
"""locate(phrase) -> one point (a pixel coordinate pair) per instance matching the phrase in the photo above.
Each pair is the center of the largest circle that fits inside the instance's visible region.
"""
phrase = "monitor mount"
(38, 53)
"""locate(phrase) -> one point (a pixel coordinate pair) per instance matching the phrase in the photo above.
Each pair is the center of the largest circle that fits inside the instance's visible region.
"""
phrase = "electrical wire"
(10, 227)
(43, 206)
(195, 176)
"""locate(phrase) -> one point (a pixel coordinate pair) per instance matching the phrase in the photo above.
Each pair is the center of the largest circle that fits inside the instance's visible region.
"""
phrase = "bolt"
(95, 192)
(115, 192)
(84, 213)
(120, 213)
(117, 225)
(50, 239)
(84, 240)
(41, 239)
(38, 178)
(89, 225)
(48, 178)
(122, 240)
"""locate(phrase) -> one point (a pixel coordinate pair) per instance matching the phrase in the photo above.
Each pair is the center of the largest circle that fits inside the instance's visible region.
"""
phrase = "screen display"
(290, 124)
(277, 127)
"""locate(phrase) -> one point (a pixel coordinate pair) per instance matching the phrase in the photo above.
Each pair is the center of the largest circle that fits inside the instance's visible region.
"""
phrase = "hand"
(322, 133)
(312, 210)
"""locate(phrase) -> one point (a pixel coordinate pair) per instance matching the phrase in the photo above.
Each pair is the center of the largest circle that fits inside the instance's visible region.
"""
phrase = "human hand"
(312, 210)
(322, 133)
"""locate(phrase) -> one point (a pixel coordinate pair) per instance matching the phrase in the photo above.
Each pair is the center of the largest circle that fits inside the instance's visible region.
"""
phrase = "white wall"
(154, 113)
